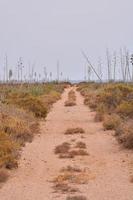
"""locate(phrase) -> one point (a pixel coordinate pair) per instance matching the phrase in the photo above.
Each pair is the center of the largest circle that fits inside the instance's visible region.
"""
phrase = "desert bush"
(71, 169)
(76, 198)
(125, 109)
(8, 150)
(72, 131)
(63, 148)
(111, 122)
(79, 152)
(81, 145)
(124, 134)
(3, 175)
(71, 99)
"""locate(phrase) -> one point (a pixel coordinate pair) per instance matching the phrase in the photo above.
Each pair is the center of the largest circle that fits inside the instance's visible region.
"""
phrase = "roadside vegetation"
(21, 108)
(71, 99)
(113, 103)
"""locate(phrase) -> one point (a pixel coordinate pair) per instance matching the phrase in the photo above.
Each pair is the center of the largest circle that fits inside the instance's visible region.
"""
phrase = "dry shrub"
(74, 177)
(70, 103)
(16, 128)
(64, 188)
(19, 129)
(124, 134)
(79, 152)
(111, 122)
(63, 148)
(81, 145)
(66, 155)
(71, 169)
(126, 109)
(8, 150)
(76, 198)
(71, 99)
(72, 131)
(3, 175)
(99, 117)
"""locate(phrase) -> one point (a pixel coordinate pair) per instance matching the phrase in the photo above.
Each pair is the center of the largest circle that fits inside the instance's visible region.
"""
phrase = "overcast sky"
(43, 31)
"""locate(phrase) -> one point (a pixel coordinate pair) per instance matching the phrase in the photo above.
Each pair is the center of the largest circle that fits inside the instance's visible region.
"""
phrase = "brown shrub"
(81, 145)
(8, 150)
(79, 152)
(71, 99)
(124, 134)
(3, 175)
(99, 117)
(64, 188)
(76, 198)
(125, 109)
(66, 155)
(72, 131)
(70, 103)
(63, 148)
(71, 169)
(111, 122)
(71, 177)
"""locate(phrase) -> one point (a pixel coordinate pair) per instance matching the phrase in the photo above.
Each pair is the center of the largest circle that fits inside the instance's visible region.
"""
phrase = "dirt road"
(108, 166)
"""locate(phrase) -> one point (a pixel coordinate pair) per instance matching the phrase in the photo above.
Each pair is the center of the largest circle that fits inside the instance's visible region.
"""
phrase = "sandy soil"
(110, 166)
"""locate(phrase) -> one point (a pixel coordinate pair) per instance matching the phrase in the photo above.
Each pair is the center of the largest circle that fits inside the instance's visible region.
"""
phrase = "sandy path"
(109, 165)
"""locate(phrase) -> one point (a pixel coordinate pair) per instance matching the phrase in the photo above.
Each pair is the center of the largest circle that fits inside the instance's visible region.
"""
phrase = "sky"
(44, 31)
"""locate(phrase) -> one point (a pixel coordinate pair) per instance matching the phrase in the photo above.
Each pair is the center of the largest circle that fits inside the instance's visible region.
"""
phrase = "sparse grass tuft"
(64, 188)
(79, 152)
(71, 99)
(76, 198)
(72, 131)
(63, 148)
(81, 145)
(71, 169)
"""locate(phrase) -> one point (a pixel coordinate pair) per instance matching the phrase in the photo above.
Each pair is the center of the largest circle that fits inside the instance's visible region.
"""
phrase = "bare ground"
(109, 167)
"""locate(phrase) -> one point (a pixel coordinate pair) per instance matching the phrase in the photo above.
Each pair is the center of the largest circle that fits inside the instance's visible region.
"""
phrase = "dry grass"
(80, 145)
(3, 175)
(72, 176)
(71, 169)
(113, 103)
(76, 198)
(20, 108)
(71, 99)
(124, 134)
(70, 103)
(111, 122)
(64, 188)
(79, 152)
(73, 131)
(63, 148)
